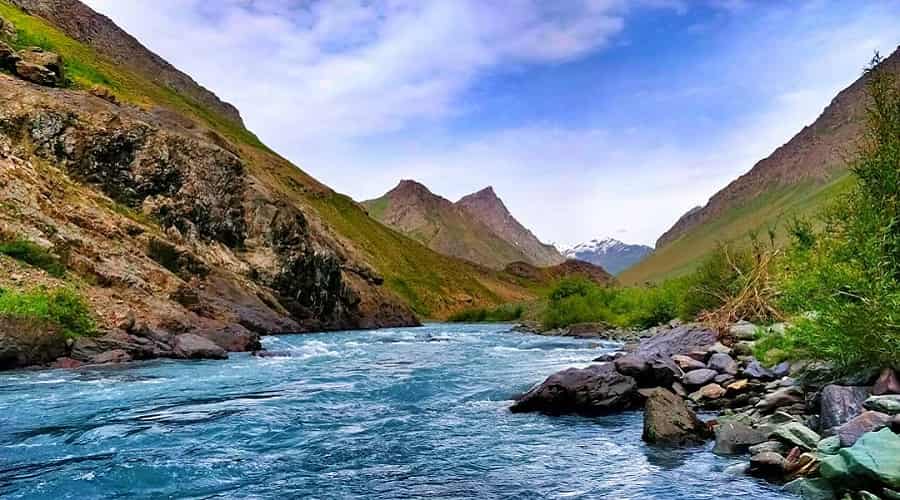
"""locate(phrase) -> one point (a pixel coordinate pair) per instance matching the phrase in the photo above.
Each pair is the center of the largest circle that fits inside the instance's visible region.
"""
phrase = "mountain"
(609, 253)
(477, 228)
(171, 218)
(796, 179)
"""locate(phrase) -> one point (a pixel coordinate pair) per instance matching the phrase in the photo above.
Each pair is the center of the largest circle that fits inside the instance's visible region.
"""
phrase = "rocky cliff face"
(83, 24)
(476, 228)
(487, 207)
(816, 153)
(609, 253)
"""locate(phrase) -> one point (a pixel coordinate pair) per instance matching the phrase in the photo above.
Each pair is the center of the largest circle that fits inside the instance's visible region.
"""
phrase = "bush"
(64, 307)
(504, 313)
(33, 255)
(843, 281)
(579, 300)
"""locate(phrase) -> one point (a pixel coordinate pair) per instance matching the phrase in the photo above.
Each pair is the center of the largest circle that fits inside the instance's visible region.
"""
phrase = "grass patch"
(63, 307)
(33, 255)
(501, 314)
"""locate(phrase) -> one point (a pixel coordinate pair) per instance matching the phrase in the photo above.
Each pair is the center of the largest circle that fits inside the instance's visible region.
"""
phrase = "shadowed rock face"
(25, 342)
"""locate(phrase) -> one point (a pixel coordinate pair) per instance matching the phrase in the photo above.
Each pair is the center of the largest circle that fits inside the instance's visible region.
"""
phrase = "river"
(387, 414)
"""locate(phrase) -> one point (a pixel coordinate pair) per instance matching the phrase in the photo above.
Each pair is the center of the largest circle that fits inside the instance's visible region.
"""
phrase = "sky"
(590, 118)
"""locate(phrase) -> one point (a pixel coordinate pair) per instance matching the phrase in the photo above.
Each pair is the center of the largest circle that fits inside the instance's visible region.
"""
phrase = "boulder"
(723, 363)
(887, 383)
(667, 420)
(755, 369)
(687, 363)
(743, 330)
(26, 342)
(889, 404)
(683, 339)
(867, 421)
(233, 338)
(87, 349)
(838, 404)
(723, 379)
(698, 377)
(595, 390)
(797, 434)
(114, 356)
(40, 66)
(786, 396)
(875, 457)
(734, 437)
(631, 365)
(782, 369)
(709, 392)
(192, 346)
(767, 464)
(769, 446)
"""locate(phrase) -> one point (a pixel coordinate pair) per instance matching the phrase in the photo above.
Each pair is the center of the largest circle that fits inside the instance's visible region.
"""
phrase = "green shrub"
(63, 306)
(504, 313)
(33, 255)
(843, 281)
(579, 300)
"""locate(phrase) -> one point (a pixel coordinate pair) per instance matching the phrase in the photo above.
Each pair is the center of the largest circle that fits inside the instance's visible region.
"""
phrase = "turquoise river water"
(388, 414)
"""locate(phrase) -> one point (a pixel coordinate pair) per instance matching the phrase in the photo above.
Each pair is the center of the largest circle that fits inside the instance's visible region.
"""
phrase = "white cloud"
(319, 81)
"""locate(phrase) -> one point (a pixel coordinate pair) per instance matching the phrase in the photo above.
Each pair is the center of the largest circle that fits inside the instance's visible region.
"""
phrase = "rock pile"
(799, 423)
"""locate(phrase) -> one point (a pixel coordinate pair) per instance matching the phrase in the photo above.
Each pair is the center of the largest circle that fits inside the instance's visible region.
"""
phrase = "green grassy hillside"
(771, 211)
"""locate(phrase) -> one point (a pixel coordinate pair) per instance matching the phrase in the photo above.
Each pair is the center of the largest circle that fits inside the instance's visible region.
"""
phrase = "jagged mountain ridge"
(608, 253)
(796, 179)
(477, 228)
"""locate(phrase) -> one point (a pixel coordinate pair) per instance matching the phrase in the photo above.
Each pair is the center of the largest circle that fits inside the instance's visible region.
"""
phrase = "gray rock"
(756, 370)
(41, 67)
(743, 348)
(829, 445)
(797, 434)
(782, 369)
(743, 330)
(192, 346)
(114, 356)
(785, 396)
(767, 464)
(723, 363)
(867, 421)
(667, 420)
(632, 365)
(595, 390)
(687, 363)
(889, 404)
(838, 404)
(698, 377)
(723, 379)
(769, 446)
(734, 437)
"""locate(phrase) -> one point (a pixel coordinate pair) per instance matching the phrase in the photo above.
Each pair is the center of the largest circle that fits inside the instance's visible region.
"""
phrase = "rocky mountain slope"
(796, 178)
(172, 219)
(486, 207)
(477, 228)
(608, 253)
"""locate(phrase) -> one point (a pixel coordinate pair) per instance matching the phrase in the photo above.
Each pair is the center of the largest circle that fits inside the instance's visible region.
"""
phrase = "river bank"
(800, 423)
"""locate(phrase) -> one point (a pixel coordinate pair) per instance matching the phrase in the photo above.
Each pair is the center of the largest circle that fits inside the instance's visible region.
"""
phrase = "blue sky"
(590, 118)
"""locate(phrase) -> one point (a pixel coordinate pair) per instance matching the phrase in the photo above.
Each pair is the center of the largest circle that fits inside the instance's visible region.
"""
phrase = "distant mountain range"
(608, 253)
(798, 178)
(478, 227)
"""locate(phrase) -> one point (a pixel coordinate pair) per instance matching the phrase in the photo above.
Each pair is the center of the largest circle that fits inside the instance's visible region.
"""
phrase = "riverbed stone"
(192, 346)
(755, 369)
(709, 392)
(734, 437)
(687, 363)
(699, 377)
(743, 330)
(829, 445)
(595, 390)
(767, 464)
(723, 363)
(786, 396)
(867, 421)
(797, 434)
(838, 404)
(887, 383)
(668, 421)
(874, 457)
(888, 403)
(769, 446)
